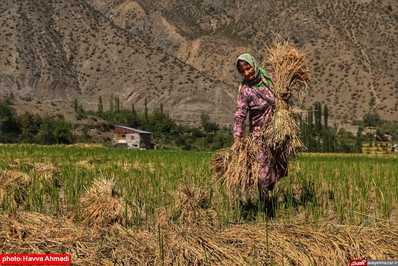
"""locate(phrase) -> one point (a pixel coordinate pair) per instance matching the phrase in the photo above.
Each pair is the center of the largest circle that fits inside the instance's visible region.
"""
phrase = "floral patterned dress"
(257, 102)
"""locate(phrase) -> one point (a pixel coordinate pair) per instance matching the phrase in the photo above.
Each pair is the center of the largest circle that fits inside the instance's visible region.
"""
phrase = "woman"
(257, 99)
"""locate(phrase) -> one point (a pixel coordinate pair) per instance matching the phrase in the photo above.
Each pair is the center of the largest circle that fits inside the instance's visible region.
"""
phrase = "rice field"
(113, 206)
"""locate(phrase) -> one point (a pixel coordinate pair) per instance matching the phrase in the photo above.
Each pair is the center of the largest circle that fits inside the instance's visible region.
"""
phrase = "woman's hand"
(286, 95)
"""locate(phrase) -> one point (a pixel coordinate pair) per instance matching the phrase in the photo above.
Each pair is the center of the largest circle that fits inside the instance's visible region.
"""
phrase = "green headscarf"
(258, 71)
(248, 58)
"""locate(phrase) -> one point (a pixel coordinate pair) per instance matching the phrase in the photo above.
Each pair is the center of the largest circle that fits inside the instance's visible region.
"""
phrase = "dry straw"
(101, 205)
(13, 187)
(196, 244)
(192, 204)
(189, 206)
(237, 168)
(288, 64)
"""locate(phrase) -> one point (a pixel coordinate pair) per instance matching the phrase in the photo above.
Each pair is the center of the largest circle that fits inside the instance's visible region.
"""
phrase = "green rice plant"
(353, 194)
(342, 188)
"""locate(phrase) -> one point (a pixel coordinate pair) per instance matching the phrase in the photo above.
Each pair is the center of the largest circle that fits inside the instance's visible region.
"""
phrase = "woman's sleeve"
(240, 114)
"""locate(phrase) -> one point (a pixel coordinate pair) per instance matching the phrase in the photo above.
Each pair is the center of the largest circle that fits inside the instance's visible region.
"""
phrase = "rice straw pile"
(45, 171)
(246, 244)
(288, 65)
(14, 186)
(189, 241)
(237, 168)
(189, 206)
(101, 205)
(32, 226)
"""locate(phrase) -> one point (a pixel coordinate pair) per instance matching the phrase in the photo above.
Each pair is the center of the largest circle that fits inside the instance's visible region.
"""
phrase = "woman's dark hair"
(239, 63)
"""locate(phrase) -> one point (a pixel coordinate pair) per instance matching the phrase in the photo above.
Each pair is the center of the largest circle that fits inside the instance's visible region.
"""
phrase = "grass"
(345, 189)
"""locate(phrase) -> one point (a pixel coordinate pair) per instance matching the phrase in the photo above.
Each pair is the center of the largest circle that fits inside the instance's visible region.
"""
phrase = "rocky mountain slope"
(180, 54)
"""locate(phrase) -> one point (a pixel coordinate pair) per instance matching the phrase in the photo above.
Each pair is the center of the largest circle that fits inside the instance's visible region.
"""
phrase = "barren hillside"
(181, 54)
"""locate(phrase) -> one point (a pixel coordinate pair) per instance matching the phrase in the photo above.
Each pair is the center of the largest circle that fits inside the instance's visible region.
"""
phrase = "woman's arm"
(241, 113)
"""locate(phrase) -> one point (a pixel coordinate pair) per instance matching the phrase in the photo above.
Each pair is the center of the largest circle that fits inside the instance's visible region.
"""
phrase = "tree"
(358, 140)
(75, 105)
(134, 122)
(9, 128)
(371, 119)
(332, 139)
(146, 110)
(100, 109)
(111, 105)
(325, 140)
(318, 118)
(85, 135)
(310, 120)
(30, 126)
(208, 126)
(55, 131)
(325, 116)
(222, 138)
(162, 126)
(117, 104)
(305, 131)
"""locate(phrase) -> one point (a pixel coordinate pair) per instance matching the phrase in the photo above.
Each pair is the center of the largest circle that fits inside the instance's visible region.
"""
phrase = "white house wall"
(133, 140)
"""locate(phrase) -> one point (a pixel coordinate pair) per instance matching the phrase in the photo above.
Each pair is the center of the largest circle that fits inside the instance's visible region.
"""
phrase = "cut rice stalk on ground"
(13, 187)
(286, 243)
(101, 205)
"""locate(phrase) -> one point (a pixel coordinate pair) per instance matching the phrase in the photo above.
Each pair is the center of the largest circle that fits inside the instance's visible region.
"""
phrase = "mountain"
(181, 54)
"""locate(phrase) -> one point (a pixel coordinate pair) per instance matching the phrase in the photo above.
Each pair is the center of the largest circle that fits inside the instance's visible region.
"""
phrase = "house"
(132, 138)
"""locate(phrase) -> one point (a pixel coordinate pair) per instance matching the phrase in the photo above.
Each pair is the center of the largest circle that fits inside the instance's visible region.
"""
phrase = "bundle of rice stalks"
(45, 171)
(237, 168)
(42, 171)
(193, 206)
(220, 161)
(288, 64)
(102, 206)
(13, 186)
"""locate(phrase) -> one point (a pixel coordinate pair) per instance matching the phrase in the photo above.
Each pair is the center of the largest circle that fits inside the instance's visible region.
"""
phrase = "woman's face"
(246, 71)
